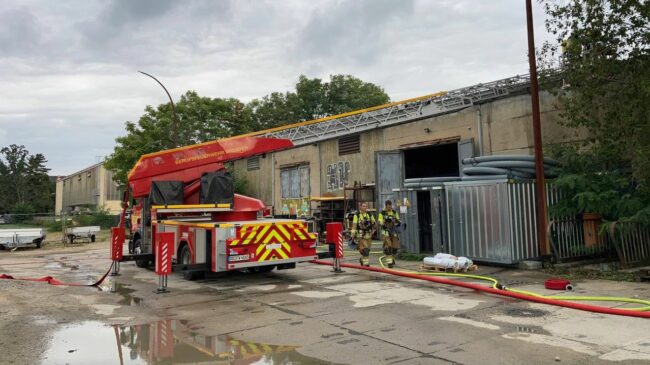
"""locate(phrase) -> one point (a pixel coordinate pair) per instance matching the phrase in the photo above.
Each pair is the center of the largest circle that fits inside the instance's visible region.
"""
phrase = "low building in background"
(90, 189)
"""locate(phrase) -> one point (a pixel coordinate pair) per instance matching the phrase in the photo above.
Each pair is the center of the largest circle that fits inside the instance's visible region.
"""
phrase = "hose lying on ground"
(53, 281)
(498, 289)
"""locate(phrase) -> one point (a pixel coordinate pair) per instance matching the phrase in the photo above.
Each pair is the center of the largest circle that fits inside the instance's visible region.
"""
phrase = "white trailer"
(12, 238)
(82, 233)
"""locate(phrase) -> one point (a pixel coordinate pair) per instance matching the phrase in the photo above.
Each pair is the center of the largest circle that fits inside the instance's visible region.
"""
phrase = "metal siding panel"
(199, 246)
(465, 150)
(410, 236)
(389, 175)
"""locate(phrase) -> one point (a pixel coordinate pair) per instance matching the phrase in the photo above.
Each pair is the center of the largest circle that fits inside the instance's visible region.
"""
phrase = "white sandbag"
(464, 263)
(445, 256)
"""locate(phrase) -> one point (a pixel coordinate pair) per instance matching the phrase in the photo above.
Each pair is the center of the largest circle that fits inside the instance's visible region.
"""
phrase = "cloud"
(69, 68)
(357, 32)
(20, 32)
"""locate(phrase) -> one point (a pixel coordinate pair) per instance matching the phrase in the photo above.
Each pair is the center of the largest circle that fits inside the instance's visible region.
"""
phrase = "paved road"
(303, 316)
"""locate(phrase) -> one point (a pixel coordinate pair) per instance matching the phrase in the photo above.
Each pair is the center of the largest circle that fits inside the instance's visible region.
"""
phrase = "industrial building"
(89, 189)
(379, 148)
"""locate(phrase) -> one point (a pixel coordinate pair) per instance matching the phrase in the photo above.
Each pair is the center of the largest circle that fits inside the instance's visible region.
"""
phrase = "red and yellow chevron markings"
(273, 240)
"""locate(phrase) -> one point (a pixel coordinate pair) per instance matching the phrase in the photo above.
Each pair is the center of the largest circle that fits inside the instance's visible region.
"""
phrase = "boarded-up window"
(349, 144)
(295, 182)
(253, 163)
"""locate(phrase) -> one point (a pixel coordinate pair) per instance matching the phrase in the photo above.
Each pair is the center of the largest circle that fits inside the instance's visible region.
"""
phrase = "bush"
(100, 218)
(22, 212)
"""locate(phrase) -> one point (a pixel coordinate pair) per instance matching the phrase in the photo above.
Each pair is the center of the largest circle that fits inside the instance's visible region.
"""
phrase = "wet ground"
(304, 316)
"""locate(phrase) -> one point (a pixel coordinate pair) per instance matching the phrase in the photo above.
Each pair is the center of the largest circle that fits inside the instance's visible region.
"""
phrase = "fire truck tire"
(71, 239)
(92, 238)
(186, 260)
(137, 250)
(38, 242)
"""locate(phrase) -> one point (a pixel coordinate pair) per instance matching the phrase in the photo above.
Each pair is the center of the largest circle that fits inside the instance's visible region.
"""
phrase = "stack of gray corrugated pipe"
(499, 167)
(426, 182)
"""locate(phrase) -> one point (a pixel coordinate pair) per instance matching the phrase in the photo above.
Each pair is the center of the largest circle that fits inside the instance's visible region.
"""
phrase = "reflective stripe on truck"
(271, 241)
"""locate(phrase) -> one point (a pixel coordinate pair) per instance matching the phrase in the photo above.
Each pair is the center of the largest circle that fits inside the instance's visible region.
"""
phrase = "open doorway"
(438, 160)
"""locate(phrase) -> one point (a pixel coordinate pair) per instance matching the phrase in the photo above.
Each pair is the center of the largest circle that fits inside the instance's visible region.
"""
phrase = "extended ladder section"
(189, 163)
(398, 112)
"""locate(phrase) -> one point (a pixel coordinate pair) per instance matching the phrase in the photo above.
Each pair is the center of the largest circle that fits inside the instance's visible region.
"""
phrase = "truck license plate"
(238, 258)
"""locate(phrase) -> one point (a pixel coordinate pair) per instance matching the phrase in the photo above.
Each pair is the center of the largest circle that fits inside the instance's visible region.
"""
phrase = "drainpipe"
(480, 130)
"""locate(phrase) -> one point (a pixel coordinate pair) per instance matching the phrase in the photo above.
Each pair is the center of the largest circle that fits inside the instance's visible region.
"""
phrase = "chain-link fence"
(16, 228)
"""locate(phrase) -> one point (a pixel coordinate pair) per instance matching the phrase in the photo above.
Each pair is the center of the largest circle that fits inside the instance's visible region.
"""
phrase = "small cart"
(82, 234)
(13, 238)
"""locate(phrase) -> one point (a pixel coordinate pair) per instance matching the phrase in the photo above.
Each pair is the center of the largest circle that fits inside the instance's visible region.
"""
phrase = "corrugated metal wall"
(481, 223)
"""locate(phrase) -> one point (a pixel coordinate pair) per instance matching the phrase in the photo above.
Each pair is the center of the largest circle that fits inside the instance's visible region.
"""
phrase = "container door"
(438, 221)
(406, 203)
(389, 175)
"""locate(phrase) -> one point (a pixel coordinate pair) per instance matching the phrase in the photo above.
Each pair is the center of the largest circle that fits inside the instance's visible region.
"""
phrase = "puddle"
(54, 265)
(123, 290)
(526, 313)
(42, 320)
(163, 342)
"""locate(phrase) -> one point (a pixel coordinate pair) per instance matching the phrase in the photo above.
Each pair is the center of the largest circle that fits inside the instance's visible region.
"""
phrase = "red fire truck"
(187, 191)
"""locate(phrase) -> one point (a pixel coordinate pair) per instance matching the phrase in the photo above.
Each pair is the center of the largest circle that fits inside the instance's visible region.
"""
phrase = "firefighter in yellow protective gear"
(389, 223)
(363, 227)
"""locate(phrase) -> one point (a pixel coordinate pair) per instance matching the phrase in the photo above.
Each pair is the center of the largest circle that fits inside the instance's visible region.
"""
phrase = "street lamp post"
(175, 117)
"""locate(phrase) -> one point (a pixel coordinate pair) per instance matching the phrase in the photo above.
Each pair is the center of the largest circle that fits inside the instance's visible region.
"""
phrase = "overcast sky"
(68, 69)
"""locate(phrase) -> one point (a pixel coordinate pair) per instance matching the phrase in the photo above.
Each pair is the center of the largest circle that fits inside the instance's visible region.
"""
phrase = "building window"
(295, 182)
(253, 163)
(349, 144)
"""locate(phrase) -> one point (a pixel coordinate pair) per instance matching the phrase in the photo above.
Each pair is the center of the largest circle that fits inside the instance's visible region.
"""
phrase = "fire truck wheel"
(185, 260)
(38, 242)
(92, 238)
(137, 250)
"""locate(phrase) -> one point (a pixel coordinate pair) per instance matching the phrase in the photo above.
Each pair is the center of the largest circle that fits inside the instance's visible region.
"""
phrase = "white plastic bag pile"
(447, 261)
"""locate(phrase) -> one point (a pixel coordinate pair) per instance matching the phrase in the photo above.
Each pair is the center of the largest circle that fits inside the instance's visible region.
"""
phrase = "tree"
(24, 183)
(603, 48)
(315, 99)
(201, 119)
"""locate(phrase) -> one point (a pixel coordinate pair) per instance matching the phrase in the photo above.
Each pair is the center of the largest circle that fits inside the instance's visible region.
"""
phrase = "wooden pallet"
(424, 267)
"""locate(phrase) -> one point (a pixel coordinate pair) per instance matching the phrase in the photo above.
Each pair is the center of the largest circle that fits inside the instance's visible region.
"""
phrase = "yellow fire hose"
(496, 285)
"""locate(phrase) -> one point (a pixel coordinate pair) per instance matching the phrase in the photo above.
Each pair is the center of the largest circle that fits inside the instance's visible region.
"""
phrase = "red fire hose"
(531, 298)
(52, 281)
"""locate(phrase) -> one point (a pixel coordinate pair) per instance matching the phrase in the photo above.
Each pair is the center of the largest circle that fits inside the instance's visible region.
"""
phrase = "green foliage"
(603, 48)
(315, 99)
(22, 212)
(204, 119)
(53, 226)
(201, 119)
(100, 218)
(24, 181)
